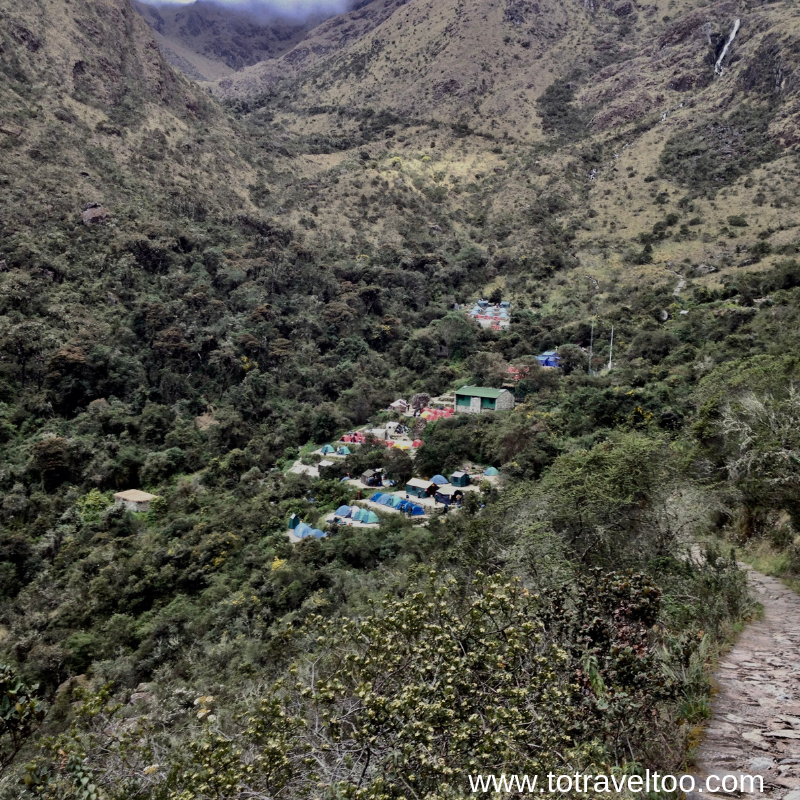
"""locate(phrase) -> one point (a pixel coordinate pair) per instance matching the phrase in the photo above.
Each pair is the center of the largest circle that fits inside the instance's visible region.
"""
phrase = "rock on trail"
(755, 725)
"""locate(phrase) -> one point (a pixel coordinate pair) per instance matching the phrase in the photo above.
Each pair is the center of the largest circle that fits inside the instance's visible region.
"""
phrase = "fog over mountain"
(269, 9)
(208, 40)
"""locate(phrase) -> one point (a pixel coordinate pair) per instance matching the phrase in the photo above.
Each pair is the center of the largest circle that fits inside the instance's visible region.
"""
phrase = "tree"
(51, 456)
(20, 714)
(324, 423)
(398, 465)
(763, 432)
(457, 333)
(605, 501)
(420, 401)
(488, 369)
(572, 358)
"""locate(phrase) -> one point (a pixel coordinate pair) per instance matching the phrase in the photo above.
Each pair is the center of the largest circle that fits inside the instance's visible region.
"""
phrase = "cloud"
(265, 9)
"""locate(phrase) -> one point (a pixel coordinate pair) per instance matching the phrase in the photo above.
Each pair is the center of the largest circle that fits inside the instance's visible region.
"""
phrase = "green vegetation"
(273, 272)
(717, 151)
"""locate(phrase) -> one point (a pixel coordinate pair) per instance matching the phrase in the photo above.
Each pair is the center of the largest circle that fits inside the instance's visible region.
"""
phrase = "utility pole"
(591, 347)
(611, 349)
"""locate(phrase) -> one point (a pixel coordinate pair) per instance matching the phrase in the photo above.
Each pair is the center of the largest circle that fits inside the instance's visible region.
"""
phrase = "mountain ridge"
(207, 41)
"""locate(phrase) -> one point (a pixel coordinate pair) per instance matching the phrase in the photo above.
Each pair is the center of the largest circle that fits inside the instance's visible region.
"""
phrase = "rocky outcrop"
(94, 214)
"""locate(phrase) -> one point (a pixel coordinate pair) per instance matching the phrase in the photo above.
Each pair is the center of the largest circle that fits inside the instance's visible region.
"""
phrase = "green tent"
(369, 518)
(490, 472)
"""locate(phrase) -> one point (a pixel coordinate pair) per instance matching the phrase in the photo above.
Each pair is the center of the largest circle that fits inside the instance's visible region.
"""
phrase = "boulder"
(704, 269)
(94, 214)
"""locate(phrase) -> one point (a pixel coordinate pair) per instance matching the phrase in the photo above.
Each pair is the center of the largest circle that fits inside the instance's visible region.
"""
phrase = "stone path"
(755, 726)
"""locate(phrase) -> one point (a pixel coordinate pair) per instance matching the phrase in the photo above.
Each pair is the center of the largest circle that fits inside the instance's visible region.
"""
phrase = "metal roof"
(420, 484)
(480, 391)
(134, 496)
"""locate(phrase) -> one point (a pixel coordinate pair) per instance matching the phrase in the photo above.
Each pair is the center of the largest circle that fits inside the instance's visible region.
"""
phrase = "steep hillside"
(616, 113)
(207, 41)
(93, 113)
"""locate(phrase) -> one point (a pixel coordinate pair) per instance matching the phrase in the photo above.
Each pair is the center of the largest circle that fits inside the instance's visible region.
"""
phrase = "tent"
(376, 498)
(302, 531)
(459, 479)
(318, 533)
(370, 478)
(369, 518)
(294, 521)
(343, 511)
(439, 480)
(416, 511)
(387, 500)
(344, 451)
(394, 500)
(490, 472)
(326, 449)
(357, 514)
(420, 488)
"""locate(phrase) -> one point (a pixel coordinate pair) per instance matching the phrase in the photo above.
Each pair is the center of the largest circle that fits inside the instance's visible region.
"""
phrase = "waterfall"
(718, 70)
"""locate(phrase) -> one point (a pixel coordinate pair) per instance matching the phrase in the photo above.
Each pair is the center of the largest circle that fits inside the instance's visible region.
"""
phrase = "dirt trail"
(755, 727)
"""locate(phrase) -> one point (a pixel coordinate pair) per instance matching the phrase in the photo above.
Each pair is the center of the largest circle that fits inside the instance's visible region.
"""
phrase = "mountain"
(614, 112)
(201, 286)
(206, 40)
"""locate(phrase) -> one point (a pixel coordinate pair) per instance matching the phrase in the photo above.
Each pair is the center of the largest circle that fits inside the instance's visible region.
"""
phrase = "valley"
(230, 245)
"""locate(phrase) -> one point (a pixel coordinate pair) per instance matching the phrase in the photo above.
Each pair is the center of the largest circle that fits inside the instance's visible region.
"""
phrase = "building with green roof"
(479, 399)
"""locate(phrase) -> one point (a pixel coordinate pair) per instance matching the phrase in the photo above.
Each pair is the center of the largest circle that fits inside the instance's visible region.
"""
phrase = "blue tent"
(386, 500)
(327, 449)
(343, 511)
(396, 500)
(491, 471)
(369, 518)
(549, 358)
(357, 513)
(376, 498)
(302, 531)
(417, 511)
(318, 533)
(439, 480)
(344, 451)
